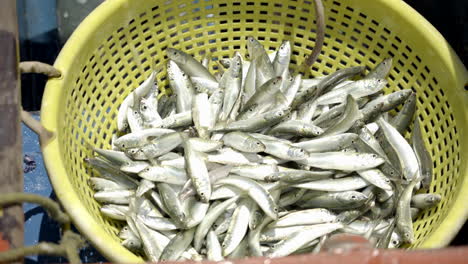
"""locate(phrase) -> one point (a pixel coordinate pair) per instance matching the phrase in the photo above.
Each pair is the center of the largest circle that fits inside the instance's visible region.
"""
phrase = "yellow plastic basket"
(114, 49)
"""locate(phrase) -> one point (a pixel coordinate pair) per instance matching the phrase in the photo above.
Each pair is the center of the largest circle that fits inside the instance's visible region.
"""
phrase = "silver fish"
(138, 139)
(214, 250)
(243, 142)
(306, 217)
(350, 183)
(425, 200)
(114, 197)
(357, 89)
(149, 111)
(162, 145)
(404, 222)
(203, 85)
(237, 228)
(114, 211)
(284, 150)
(102, 184)
(172, 204)
(201, 114)
(257, 172)
(231, 84)
(263, 95)
(297, 128)
(403, 119)
(381, 70)
(422, 154)
(346, 161)
(328, 143)
(177, 245)
(335, 200)
(205, 145)
(182, 86)
(197, 171)
(140, 91)
(188, 64)
(208, 221)
(406, 156)
(164, 173)
(255, 191)
(302, 237)
(350, 115)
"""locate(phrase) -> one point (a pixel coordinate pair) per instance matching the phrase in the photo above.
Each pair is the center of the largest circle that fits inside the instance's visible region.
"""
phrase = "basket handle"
(320, 17)
(42, 68)
(44, 135)
(39, 67)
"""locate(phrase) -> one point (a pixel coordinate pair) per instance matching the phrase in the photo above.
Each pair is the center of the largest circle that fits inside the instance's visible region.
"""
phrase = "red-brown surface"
(4, 245)
(353, 249)
(453, 255)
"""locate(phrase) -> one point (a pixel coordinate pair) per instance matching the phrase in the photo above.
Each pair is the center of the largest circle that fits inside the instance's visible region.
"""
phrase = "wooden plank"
(9, 20)
(11, 175)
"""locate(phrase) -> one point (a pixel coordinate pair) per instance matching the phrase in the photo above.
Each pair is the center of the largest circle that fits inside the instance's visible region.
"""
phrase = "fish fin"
(151, 138)
(203, 155)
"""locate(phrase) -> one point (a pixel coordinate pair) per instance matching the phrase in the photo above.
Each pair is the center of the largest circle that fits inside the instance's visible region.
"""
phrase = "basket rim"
(50, 111)
(112, 250)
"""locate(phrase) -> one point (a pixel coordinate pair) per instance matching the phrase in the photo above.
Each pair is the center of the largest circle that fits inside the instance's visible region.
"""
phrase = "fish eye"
(123, 145)
(183, 74)
(224, 245)
(202, 194)
(374, 156)
(275, 209)
(353, 197)
(394, 242)
(145, 107)
(136, 112)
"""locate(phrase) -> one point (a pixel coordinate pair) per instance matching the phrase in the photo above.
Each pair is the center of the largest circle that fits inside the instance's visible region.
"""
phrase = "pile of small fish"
(257, 161)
